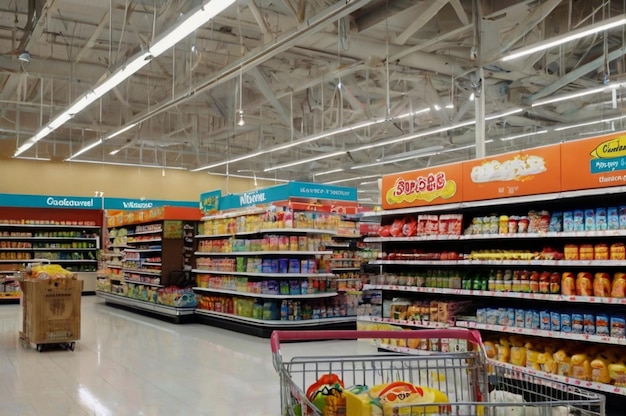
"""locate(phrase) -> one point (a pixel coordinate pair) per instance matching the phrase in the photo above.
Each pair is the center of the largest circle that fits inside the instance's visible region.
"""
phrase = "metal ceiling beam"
(530, 21)
(422, 17)
(577, 73)
(93, 38)
(256, 13)
(257, 56)
(460, 11)
(263, 86)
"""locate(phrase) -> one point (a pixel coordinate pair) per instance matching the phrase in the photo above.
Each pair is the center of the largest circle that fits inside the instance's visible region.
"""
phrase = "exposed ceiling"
(350, 89)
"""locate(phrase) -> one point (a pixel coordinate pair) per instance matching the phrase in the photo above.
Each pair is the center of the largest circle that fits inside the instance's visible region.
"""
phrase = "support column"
(479, 103)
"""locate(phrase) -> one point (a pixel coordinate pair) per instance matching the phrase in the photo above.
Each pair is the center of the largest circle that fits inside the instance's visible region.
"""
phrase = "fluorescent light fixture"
(190, 23)
(472, 97)
(120, 131)
(114, 152)
(59, 121)
(519, 136)
(504, 114)
(137, 165)
(437, 107)
(576, 94)
(85, 149)
(328, 172)
(450, 106)
(226, 162)
(46, 159)
(248, 177)
(408, 155)
(567, 37)
(312, 138)
(356, 178)
(368, 183)
(589, 123)
(300, 162)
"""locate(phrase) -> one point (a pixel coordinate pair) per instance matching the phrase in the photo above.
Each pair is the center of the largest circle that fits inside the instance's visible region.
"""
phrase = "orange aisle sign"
(440, 185)
(526, 172)
(594, 163)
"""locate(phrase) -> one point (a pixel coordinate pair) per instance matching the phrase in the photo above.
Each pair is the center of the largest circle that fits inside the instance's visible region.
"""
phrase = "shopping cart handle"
(469, 335)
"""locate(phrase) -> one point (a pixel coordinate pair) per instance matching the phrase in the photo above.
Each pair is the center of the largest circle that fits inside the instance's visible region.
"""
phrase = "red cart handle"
(469, 335)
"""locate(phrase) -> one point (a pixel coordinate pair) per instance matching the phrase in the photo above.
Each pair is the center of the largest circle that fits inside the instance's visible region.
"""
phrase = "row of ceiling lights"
(203, 14)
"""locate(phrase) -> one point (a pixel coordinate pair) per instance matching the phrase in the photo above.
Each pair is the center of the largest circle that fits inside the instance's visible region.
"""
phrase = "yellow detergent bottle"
(563, 362)
(617, 372)
(600, 369)
(581, 366)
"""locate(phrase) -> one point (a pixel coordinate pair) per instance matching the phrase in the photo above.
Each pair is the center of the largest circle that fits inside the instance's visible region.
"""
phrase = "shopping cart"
(460, 382)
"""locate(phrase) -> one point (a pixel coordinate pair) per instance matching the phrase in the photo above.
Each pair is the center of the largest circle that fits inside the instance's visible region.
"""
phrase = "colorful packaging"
(528, 320)
(577, 323)
(612, 218)
(579, 220)
(602, 324)
(590, 220)
(618, 325)
(555, 321)
(589, 324)
(556, 222)
(566, 323)
(536, 320)
(601, 219)
(622, 218)
(568, 221)
(544, 323)
(519, 318)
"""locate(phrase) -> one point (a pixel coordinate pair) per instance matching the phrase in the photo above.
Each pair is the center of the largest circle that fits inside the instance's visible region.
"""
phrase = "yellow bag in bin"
(380, 399)
(50, 271)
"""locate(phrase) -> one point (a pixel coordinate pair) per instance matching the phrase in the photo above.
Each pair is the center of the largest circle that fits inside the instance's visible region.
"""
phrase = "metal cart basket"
(460, 382)
(51, 312)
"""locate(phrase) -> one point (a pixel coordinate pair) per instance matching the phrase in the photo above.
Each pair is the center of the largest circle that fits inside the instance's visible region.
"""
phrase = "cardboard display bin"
(51, 311)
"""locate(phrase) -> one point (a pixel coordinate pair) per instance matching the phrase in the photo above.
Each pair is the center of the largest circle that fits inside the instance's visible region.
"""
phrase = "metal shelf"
(143, 283)
(267, 275)
(166, 310)
(265, 295)
(277, 323)
(265, 253)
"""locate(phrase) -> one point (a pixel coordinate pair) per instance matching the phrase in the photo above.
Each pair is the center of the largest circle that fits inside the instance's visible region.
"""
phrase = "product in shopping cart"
(463, 380)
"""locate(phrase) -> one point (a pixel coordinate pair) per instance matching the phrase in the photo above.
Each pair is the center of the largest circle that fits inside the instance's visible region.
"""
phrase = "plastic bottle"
(284, 311)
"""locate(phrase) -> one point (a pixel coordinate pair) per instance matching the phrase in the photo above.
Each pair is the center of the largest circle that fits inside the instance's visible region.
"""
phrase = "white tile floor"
(128, 364)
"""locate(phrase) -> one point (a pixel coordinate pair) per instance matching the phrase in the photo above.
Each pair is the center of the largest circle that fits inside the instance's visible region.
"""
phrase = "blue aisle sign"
(210, 201)
(286, 191)
(55, 201)
(127, 204)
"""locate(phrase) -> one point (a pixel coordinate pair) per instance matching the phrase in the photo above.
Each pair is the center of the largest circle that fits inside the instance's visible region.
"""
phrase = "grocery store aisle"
(129, 364)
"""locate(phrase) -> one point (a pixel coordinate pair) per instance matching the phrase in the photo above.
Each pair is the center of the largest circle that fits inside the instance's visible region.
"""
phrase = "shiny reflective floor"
(129, 364)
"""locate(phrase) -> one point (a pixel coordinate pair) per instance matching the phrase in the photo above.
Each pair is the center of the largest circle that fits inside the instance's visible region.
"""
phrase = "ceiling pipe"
(255, 57)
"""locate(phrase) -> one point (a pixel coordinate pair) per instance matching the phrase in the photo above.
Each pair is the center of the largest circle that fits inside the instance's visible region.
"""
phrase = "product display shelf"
(264, 275)
(523, 263)
(605, 388)
(510, 295)
(10, 291)
(493, 243)
(245, 229)
(542, 333)
(403, 322)
(265, 253)
(265, 295)
(137, 282)
(264, 328)
(549, 234)
(175, 314)
(155, 245)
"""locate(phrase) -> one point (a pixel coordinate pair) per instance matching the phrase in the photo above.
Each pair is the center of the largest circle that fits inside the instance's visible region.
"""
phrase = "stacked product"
(578, 360)
(424, 225)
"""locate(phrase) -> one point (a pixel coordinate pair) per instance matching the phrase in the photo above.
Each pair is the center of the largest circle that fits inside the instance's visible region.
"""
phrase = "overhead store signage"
(309, 191)
(132, 204)
(594, 163)
(49, 201)
(56, 201)
(423, 187)
(210, 202)
(526, 172)
(582, 164)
